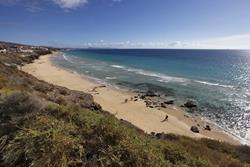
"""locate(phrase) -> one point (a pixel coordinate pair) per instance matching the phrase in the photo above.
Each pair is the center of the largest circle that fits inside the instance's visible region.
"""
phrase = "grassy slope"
(36, 130)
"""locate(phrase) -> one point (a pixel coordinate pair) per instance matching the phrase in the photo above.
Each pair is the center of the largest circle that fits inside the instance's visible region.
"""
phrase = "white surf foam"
(110, 78)
(161, 77)
(66, 58)
(118, 66)
(214, 84)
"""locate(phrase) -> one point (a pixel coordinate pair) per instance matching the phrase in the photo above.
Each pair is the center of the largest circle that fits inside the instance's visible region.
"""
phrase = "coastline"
(135, 112)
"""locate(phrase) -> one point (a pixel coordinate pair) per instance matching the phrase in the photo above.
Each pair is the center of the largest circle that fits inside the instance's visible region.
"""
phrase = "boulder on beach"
(142, 96)
(147, 102)
(190, 104)
(194, 129)
(163, 105)
(207, 128)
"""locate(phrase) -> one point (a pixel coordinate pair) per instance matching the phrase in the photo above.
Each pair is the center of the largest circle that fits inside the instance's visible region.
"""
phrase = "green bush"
(19, 103)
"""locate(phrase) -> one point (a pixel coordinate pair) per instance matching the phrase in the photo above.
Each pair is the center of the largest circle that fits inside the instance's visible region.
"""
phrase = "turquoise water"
(218, 80)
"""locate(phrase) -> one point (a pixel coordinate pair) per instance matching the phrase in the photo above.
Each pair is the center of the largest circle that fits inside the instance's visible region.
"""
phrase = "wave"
(165, 78)
(118, 66)
(66, 58)
(110, 78)
(162, 77)
(214, 84)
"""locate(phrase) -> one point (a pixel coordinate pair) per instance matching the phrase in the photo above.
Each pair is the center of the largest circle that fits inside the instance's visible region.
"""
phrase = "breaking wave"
(214, 84)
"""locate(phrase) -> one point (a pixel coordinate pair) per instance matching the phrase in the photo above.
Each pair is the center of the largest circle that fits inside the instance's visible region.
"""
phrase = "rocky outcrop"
(190, 104)
(150, 94)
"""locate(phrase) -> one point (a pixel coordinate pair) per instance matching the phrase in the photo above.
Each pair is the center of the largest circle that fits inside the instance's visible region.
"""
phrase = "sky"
(199, 24)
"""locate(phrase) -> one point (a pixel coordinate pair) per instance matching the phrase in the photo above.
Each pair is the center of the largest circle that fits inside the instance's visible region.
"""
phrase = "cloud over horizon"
(70, 4)
(240, 41)
(37, 5)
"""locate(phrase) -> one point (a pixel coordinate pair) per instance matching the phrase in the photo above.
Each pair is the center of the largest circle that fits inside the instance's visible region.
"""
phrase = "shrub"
(61, 101)
(18, 103)
(44, 142)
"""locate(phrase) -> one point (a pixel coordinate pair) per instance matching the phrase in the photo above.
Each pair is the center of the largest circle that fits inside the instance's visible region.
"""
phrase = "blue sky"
(127, 23)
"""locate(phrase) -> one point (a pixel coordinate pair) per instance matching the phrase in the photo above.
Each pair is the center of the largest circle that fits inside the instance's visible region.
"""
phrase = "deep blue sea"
(218, 80)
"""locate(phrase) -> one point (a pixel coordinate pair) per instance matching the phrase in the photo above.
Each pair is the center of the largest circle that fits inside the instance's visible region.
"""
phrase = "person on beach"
(166, 118)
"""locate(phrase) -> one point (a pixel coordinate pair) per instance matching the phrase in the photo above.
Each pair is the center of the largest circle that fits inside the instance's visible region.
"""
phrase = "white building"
(26, 50)
(3, 50)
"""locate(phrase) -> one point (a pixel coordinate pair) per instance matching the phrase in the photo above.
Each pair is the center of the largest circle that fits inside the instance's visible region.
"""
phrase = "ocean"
(218, 80)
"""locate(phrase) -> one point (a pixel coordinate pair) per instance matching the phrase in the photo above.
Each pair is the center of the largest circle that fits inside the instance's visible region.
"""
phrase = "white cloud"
(37, 5)
(240, 41)
(70, 4)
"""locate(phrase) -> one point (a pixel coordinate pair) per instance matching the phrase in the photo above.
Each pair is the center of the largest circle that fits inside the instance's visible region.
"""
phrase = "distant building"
(43, 48)
(3, 50)
(12, 49)
(26, 50)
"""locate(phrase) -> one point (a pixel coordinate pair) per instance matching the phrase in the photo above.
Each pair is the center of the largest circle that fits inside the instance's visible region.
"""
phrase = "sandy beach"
(112, 100)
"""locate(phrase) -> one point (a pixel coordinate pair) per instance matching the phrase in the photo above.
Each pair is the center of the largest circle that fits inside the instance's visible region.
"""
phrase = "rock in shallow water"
(169, 102)
(190, 104)
(150, 94)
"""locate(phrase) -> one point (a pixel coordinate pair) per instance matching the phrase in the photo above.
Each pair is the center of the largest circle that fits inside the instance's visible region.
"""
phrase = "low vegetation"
(47, 134)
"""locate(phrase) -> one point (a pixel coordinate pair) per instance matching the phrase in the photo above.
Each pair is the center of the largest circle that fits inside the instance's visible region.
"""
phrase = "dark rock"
(159, 135)
(163, 105)
(95, 107)
(169, 102)
(150, 94)
(190, 104)
(135, 99)
(207, 128)
(194, 129)
(142, 96)
(148, 103)
(154, 103)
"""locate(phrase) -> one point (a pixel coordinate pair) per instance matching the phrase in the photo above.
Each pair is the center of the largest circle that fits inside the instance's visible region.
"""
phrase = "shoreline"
(135, 112)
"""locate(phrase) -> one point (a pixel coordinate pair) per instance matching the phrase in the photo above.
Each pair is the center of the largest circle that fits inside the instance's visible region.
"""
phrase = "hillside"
(47, 125)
